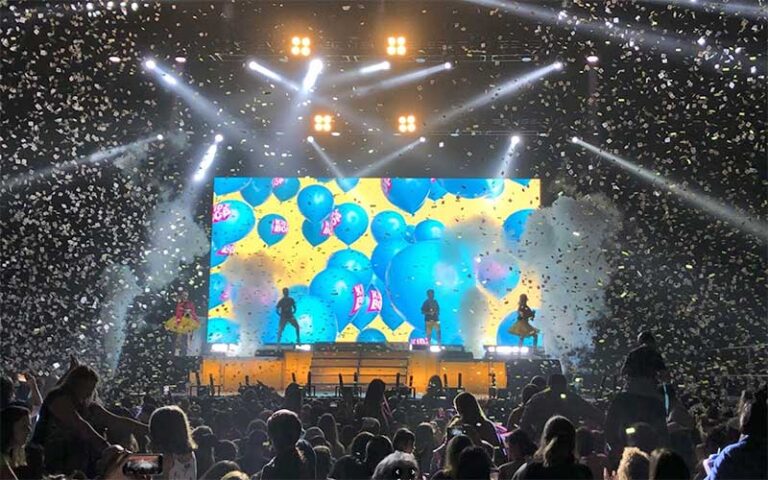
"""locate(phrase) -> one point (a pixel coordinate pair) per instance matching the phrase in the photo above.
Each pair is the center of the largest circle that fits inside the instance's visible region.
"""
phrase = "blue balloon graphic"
(354, 262)
(410, 234)
(389, 315)
(383, 254)
(225, 185)
(514, 225)
(495, 187)
(315, 202)
(368, 312)
(266, 228)
(334, 286)
(408, 193)
(217, 258)
(370, 335)
(313, 232)
(257, 191)
(353, 224)
(347, 184)
(503, 337)
(445, 267)
(522, 181)
(417, 333)
(498, 276)
(287, 189)
(315, 318)
(217, 285)
(429, 230)
(235, 227)
(388, 225)
(223, 330)
(466, 187)
(436, 191)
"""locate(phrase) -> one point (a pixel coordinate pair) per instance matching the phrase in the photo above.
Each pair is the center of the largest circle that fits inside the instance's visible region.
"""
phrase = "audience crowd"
(645, 432)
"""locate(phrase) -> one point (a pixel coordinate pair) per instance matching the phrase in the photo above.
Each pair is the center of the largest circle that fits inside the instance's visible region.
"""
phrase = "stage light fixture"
(301, 46)
(423, 139)
(323, 123)
(434, 349)
(558, 65)
(150, 64)
(448, 65)
(514, 140)
(218, 138)
(406, 124)
(160, 137)
(592, 59)
(396, 46)
(311, 139)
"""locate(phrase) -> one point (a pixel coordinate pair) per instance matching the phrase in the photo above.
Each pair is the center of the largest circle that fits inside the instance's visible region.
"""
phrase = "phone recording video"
(140, 464)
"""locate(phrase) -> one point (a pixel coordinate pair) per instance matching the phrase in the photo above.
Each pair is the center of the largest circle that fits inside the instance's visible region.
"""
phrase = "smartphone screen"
(143, 464)
(21, 378)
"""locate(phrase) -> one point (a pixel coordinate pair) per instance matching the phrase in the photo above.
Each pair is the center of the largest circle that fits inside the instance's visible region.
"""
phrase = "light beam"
(403, 79)
(698, 200)
(390, 157)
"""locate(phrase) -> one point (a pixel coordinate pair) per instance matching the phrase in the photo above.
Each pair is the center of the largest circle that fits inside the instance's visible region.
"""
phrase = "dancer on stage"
(522, 328)
(184, 322)
(286, 307)
(431, 310)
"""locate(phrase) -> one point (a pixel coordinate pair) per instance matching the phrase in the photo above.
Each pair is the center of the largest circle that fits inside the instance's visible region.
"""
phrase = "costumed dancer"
(522, 328)
(286, 308)
(184, 322)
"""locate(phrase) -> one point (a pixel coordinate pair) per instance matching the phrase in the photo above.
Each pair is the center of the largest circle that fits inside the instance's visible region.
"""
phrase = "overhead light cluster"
(406, 124)
(396, 46)
(301, 46)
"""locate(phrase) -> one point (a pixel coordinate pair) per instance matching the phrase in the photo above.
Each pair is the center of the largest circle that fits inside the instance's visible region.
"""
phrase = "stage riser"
(277, 372)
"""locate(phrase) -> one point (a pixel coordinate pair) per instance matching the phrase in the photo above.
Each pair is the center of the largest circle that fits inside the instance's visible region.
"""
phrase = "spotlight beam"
(402, 79)
(212, 113)
(500, 91)
(329, 162)
(605, 29)
(383, 161)
(754, 12)
(259, 68)
(509, 156)
(27, 179)
(206, 162)
(739, 219)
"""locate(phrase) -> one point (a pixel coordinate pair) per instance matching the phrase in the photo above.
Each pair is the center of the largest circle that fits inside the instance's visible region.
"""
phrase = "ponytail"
(557, 452)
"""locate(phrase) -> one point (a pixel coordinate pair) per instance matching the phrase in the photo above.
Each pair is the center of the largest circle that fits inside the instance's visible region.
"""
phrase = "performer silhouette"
(522, 328)
(431, 310)
(286, 307)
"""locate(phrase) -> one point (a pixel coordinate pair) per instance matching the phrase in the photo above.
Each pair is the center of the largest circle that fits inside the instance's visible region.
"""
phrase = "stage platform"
(324, 366)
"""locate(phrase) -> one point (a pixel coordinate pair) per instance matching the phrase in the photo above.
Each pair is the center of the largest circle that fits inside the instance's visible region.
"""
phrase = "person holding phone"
(171, 436)
(431, 311)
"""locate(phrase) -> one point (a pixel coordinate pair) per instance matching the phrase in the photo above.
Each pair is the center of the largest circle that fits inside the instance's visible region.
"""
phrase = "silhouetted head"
(466, 405)
(430, 294)
(284, 430)
(668, 465)
(646, 338)
(81, 382)
(169, 431)
(285, 292)
(557, 383)
(523, 301)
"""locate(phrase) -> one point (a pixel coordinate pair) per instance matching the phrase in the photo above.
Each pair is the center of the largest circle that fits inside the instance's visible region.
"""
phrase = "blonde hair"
(169, 431)
(635, 464)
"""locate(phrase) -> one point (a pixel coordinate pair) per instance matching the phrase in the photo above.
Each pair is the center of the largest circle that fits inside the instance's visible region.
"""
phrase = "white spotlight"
(315, 67)
(170, 80)
(558, 65)
(114, 59)
(311, 139)
(574, 139)
(150, 64)
(434, 348)
(376, 67)
(205, 163)
(256, 67)
(701, 41)
(159, 137)
(448, 65)
(423, 139)
(514, 140)
(218, 138)
(592, 59)
(181, 59)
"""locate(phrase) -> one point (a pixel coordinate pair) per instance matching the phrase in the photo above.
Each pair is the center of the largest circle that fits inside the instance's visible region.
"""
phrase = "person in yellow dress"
(183, 322)
(522, 328)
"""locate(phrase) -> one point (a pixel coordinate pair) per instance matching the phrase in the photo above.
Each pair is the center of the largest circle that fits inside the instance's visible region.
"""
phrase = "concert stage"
(326, 365)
